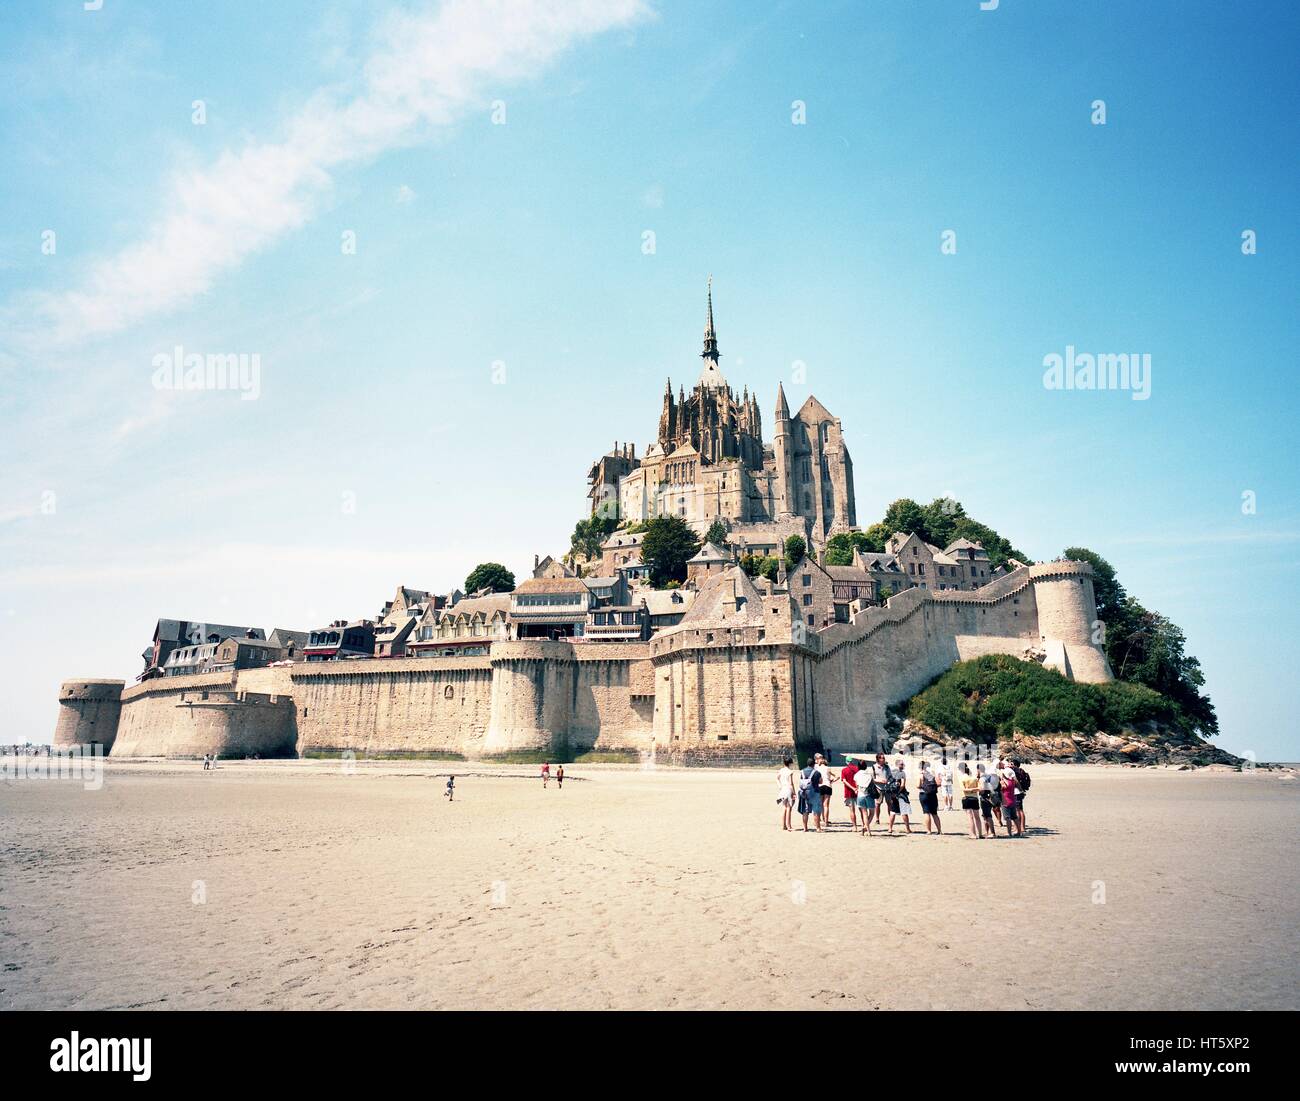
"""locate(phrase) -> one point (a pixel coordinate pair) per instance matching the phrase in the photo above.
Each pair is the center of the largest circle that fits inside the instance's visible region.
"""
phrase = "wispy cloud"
(427, 71)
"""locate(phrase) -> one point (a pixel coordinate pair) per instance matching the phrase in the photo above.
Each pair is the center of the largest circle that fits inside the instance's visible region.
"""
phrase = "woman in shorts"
(866, 801)
(824, 785)
(987, 792)
(970, 800)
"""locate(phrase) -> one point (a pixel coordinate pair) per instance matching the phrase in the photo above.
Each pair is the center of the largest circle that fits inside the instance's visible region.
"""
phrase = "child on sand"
(559, 776)
(450, 793)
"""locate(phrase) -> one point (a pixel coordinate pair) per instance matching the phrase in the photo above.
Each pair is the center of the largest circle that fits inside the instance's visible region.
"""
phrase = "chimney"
(536, 561)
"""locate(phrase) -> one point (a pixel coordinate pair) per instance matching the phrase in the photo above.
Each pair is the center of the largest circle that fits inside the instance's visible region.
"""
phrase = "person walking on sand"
(824, 786)
(849, 775)
(970, 800)
(985, 779)
(546, 775)
(450, 793)
(785, 792)
(945, 778)
(559, 777)
(897, 795)
(929, 792)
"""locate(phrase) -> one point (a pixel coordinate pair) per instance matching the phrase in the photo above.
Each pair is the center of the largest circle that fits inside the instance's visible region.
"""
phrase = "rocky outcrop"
(1149, 745)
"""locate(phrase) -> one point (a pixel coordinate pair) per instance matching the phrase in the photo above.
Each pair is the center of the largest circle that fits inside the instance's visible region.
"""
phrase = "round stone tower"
(1067, 613)
(88, 713)
(533, 687)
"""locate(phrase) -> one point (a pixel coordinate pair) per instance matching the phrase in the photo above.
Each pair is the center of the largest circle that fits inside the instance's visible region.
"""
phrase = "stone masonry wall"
(399, 707)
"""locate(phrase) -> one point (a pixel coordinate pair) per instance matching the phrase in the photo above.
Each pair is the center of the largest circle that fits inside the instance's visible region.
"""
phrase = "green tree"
(941, 517)
(907, 516)
(759, 565)
(840, 548)
(795, 549)
(589, 534)
(490, 575)
(668, 545)
(717, 534)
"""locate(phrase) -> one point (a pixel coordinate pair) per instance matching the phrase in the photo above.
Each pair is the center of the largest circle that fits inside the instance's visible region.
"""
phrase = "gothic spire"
(710, 337)
(710, 377)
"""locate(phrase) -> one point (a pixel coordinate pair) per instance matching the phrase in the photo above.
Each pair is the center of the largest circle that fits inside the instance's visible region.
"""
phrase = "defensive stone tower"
(88, 713)
(533, 689)
(1067, 620)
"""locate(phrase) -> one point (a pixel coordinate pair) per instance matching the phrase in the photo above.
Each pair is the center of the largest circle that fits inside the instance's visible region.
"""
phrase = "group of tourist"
(993, 797)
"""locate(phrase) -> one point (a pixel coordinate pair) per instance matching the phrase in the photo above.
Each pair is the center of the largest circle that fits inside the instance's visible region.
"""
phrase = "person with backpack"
(810, 798)
(896, 794)
(929, 790)
(1022, 784)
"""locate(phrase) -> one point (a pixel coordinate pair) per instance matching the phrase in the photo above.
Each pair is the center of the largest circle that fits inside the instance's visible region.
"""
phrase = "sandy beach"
(293, 885)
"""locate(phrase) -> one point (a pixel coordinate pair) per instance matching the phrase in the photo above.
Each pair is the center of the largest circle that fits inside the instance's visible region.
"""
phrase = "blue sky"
(380, 450)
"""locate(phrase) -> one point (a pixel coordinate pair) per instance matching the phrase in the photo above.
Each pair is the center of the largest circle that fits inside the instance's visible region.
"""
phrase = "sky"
(467, 243)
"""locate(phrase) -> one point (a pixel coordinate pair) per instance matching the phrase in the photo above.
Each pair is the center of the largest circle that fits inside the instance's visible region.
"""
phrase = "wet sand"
(292, 885)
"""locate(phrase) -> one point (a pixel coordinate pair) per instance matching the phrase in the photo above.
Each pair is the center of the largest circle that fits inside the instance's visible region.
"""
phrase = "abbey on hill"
(709, 462)
(727, 669)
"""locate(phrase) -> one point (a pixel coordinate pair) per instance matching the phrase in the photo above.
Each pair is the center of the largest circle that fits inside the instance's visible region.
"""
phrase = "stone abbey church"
(709, 462)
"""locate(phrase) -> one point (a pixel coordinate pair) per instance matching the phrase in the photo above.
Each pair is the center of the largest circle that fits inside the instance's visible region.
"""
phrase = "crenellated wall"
(693, 695)
(888, 654)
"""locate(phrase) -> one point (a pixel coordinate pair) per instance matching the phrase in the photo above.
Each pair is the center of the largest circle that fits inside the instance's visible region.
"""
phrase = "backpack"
(1022, 778)
(929, 785)
(805, 781)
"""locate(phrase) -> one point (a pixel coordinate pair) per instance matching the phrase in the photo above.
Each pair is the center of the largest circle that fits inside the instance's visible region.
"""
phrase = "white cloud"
(405, 194)
(429, 69)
